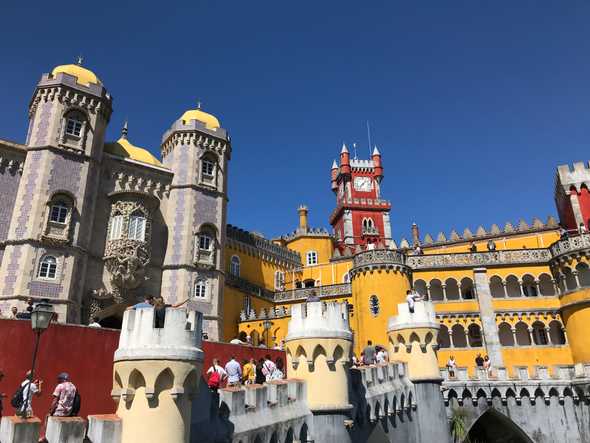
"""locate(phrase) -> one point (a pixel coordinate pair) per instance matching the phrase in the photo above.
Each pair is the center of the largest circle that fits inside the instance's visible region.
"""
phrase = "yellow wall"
(576, 316)
(322, 245)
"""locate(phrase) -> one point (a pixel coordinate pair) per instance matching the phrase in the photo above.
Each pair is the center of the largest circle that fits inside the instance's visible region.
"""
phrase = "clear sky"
(473, 104)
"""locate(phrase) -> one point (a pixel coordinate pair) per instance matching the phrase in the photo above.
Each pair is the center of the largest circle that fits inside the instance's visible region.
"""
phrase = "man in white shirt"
(382, 356)
(217, 368)
(95, 323)
(412, 297)
(268, 368)
(26, 410)
(234, 372)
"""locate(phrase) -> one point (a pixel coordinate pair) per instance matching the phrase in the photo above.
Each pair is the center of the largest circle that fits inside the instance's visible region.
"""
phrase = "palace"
(94, 225)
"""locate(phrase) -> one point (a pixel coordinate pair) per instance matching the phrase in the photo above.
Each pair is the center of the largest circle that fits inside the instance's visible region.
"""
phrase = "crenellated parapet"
(379, 259)
(277, 410)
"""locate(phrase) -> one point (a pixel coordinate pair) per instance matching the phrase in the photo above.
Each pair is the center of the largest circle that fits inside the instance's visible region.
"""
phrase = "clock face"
(363, 184)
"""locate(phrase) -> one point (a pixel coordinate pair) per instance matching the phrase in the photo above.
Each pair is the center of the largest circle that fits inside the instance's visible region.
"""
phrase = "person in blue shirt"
(148, 302)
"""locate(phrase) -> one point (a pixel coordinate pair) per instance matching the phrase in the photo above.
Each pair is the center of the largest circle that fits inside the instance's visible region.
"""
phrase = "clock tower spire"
(361, 217)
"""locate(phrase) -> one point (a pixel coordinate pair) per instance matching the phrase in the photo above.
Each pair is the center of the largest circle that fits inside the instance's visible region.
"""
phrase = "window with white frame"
(311, 258)
(207, 170)
(59, 212)
(116, 228)
(205, 242)
(279, 280)
(200, 290)
(48, 267)
(234, 266)
(74, 126)
(136, 227)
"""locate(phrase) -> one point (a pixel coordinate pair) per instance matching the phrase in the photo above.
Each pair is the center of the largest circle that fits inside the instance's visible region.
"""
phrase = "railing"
(473, 259)
(379, 257)
(320, 291)
(571, 244)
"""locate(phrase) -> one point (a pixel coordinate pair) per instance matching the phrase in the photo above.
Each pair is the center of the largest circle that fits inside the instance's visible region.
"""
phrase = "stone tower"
(413, 340)
(361, 217)
(318, 344)
(156, 375)
(50, 230)
(197, 149)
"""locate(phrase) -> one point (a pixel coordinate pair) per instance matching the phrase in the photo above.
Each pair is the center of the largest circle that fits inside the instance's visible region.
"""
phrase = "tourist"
(355, 361)
(563, 234)
(279, 372)
(236, 341)
(2, 395)
(487, 365)
(472, 247)
(249, 371)
(216, 374)
(13, 313)
(160, 310)
(234, 372)
(148, 302)
(418, 250)
(26, 315)
(63, 398)
(369, 353)
(94, 323)
(28, 388)
(268, 368)
(451, 366)
(479, 361)
(260, 378)
(582, 229)
(411, 298)
(491, 245)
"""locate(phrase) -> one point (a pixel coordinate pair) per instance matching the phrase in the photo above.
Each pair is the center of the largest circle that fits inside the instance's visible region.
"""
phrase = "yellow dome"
(209, 120)
(84, 76)
(122, 148)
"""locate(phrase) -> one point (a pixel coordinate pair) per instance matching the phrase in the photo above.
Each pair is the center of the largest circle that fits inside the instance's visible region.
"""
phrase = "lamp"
(41, 317)
(267, 324)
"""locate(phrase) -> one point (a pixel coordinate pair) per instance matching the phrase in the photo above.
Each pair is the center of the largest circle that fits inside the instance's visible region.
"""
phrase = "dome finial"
(125, 130)
(80, 60)
(199, 104)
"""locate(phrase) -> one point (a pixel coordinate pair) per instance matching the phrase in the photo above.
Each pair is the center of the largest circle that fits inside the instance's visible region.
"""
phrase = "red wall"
(87, 355)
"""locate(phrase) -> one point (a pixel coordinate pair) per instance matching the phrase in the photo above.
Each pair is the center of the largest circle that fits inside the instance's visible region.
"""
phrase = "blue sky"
(473, 104)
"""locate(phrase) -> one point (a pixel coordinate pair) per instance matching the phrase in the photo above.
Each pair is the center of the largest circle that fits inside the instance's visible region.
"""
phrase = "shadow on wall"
(210, 422)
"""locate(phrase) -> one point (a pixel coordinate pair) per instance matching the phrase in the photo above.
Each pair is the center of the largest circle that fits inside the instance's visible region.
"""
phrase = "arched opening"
(474, 333)
(529, 288)
(436, 291)
(505, 334)
(452, 289)
(583, 274)
(556, 333)
(523, 337)
(274, 438)
(494, 427)
(234, 267)
(467, 290)
(512, 286)
(290, 436)
(255, 336)
(459, 338)
(496, 287)
(546, 286)
(420, 288)
(444, 340)
(539, 333)
(303, 432)
(570, 279)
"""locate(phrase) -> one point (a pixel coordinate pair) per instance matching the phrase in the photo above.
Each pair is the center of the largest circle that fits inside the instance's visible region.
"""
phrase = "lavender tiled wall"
(45, 289)
(8, 188)
(32, 167)
(65, 175)
(12, 270)
(205, 210)
(42, 124)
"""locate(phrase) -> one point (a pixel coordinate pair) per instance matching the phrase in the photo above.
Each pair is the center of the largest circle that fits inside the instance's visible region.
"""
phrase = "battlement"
(423, 316)
(567, 176)
(362, 164)
(316, 319)
(179, 339)
(262, 409)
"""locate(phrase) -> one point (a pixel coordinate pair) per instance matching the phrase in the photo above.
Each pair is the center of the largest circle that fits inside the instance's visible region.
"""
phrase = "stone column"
(488, 317)
(514, 336)
(504, 288)
(444, 292)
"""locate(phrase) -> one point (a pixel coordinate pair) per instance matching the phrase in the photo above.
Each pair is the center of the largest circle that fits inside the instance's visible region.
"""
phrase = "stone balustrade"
(476, 259)
(278, 408)
(264, 314)
(577, 245)
(321, 291)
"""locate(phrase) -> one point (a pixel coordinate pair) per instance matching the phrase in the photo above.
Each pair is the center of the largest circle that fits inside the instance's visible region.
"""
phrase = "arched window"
(205, 245)
(474, 332)
(546, 286)
(556, 333)
(539, 333)
(234, 266)
(528, 286)
(312, 258)
(136, 227)
(436, 292)
(279, 281)
(505, 334)
(496, 287)
(208, 170)
(48, 267)
(200, 288)
(346, 278)
(374, 305)
(116, 227)
(570, 279)
(420, 288)
(583, 274)
(444, 340)
(205, 242)
(59, 212)
(467, 290)
(452, 289)
(522, 334)
(459, 339)
(74, 124)
(512, 286)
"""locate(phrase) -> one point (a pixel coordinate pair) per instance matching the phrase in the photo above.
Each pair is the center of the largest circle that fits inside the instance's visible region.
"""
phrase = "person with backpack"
(216, 374)
(268, 368)
(66, 400)
(22, 400)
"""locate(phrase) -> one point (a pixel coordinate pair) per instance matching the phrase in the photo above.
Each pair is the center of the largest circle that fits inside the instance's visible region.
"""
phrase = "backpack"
(17, 399)
(76, 405)
(214, 381)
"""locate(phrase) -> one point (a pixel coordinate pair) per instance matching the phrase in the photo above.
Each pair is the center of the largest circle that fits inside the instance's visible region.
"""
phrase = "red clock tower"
(361, 217)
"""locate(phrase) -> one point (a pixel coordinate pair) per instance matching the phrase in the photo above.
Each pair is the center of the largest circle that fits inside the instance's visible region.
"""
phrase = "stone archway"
(494, 427)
